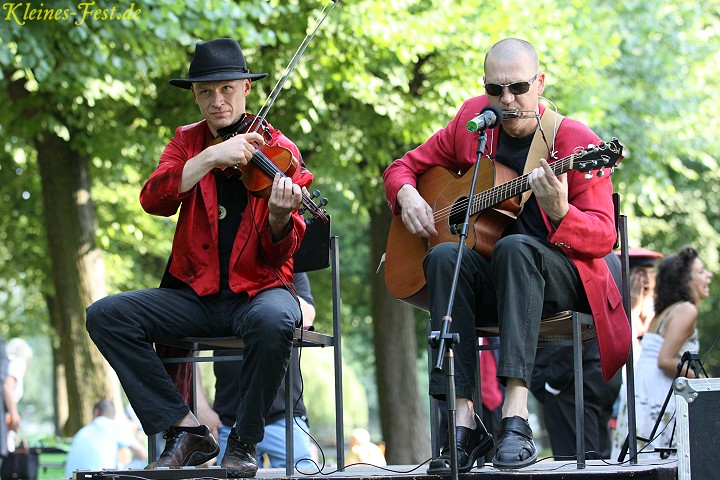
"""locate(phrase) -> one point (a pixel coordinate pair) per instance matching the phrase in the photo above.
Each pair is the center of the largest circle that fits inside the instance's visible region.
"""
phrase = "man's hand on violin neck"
(237, 150)
(285, 198)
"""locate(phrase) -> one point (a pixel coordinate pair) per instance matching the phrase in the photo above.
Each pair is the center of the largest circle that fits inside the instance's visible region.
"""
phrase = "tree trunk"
(402, 416)
(77, 274)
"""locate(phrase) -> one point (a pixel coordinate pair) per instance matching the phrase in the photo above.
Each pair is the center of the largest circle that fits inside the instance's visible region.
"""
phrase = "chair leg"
(477, 404)
(290, 415)
(630, 364)
(579, 400)
(153, 453)
(339, 429)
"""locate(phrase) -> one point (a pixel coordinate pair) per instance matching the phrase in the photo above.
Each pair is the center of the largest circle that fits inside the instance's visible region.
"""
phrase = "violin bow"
(270, 100)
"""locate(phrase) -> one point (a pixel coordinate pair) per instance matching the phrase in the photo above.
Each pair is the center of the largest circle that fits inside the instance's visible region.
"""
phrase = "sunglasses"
(517, 88)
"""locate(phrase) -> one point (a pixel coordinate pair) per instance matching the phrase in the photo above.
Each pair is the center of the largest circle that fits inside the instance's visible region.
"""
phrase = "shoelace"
(171, 437)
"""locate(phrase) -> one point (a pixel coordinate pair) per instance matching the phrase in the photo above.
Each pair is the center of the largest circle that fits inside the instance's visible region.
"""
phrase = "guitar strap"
(539, 146)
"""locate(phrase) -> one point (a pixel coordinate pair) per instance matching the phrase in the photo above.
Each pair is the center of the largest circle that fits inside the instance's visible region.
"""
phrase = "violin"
(266, 162)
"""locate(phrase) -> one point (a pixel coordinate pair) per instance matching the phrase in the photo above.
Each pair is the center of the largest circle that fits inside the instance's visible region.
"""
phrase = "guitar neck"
(514, 187)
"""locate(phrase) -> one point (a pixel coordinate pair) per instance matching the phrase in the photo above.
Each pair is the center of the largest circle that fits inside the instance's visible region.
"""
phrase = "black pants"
(555, 366)
(526, 279)
(124, 326)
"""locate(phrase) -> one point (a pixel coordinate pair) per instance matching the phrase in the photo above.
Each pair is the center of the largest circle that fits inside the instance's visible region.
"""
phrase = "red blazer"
(256, 263)
(586, 234)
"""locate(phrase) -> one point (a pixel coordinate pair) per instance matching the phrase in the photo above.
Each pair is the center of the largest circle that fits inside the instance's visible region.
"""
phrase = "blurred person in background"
(3, 424)
(362, 450)
(19, 355)
(97, 445)
(682, 283)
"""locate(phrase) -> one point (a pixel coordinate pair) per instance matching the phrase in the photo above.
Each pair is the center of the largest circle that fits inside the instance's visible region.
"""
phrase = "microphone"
(489, 117)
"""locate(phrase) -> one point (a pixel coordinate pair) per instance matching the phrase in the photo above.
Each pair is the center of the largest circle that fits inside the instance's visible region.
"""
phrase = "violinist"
(549, 259)
(230, 272)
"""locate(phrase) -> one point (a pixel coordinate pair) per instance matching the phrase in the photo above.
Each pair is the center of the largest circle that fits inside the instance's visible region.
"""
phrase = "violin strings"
(270, 169)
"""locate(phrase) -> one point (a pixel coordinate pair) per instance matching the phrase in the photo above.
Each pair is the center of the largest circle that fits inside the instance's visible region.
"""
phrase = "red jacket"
(256, 263)
(586, 234)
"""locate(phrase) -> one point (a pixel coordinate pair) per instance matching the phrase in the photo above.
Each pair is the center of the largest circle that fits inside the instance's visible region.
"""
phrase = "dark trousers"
(559, 413)
(526, 279)
(124, 327)
(554, 366)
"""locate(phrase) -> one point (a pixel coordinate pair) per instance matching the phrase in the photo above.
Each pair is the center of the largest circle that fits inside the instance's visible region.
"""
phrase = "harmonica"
(509, 114)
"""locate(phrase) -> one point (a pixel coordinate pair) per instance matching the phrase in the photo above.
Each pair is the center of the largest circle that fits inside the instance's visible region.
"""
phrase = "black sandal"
(515, 446)
(471, 445)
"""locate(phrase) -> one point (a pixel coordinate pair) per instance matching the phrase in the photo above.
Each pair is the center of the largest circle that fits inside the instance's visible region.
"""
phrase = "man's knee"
(273, 327)
(440, 256)
(105, 314)
(96, 315)
(513, 245)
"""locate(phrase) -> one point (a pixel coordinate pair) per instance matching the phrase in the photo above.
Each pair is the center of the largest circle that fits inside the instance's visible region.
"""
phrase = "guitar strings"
(488, 198)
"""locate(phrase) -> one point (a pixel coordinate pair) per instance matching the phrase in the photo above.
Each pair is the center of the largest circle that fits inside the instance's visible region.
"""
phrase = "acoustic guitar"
(491, 210)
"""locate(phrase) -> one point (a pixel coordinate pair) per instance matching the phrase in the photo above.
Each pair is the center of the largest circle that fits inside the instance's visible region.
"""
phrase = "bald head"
(104, 408)
(512, 71)
(512, 50)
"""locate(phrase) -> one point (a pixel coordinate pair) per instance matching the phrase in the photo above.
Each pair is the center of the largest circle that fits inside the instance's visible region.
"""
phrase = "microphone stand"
(443, 340)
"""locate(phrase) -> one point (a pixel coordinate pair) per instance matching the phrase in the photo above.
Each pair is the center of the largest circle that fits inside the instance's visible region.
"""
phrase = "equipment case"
(698, 427)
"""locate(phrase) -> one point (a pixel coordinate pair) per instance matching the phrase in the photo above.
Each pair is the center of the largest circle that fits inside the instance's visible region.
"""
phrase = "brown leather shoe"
(183, 448)
(240, 458)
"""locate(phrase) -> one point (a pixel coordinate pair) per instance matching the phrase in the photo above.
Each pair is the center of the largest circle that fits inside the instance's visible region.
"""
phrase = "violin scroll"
(315, 208)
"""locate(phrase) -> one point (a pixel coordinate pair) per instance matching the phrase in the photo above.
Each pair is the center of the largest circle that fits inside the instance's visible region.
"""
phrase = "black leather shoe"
(471, 445)
(516, 448)
(240, 458)
(183, 448)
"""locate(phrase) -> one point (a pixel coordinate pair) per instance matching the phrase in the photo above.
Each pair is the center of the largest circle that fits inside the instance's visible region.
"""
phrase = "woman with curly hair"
(682, 283)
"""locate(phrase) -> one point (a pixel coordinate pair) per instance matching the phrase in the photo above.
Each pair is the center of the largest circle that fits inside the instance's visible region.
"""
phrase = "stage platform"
(543, 470)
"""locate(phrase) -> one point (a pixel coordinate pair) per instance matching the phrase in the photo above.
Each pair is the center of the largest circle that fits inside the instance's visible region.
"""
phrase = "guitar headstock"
(598, 157)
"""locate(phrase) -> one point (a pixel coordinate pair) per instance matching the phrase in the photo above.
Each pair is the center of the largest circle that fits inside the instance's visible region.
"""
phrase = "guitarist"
(551, 258)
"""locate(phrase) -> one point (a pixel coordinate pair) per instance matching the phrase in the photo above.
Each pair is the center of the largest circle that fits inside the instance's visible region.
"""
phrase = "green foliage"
(377, 80)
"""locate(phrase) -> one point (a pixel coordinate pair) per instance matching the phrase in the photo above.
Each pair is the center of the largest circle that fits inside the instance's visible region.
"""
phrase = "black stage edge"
(544, 470)
(159, 474)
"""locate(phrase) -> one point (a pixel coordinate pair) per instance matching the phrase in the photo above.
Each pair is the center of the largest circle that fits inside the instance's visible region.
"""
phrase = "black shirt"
(512, 152)
(232, 199)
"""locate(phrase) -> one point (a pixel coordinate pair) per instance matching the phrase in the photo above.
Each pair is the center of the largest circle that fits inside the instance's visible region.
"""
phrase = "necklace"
(222, 211)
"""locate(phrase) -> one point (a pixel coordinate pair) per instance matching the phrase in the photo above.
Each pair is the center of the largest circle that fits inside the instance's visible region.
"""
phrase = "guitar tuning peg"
(315, 194)
(310, 220)
(588, 175)
(302, 210)
(323, 202)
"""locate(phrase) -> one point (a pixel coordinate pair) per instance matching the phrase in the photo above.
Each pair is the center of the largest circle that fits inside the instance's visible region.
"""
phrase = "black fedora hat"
(217, 60)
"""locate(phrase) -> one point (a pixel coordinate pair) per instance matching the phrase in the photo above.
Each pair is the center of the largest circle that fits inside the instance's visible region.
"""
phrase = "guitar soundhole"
(457, 213)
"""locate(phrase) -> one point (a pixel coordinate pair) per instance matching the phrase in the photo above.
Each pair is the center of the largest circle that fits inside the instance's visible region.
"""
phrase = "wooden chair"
(319, 250)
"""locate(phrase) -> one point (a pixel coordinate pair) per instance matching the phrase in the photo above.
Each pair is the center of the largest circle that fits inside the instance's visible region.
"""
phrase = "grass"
(52, 466)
